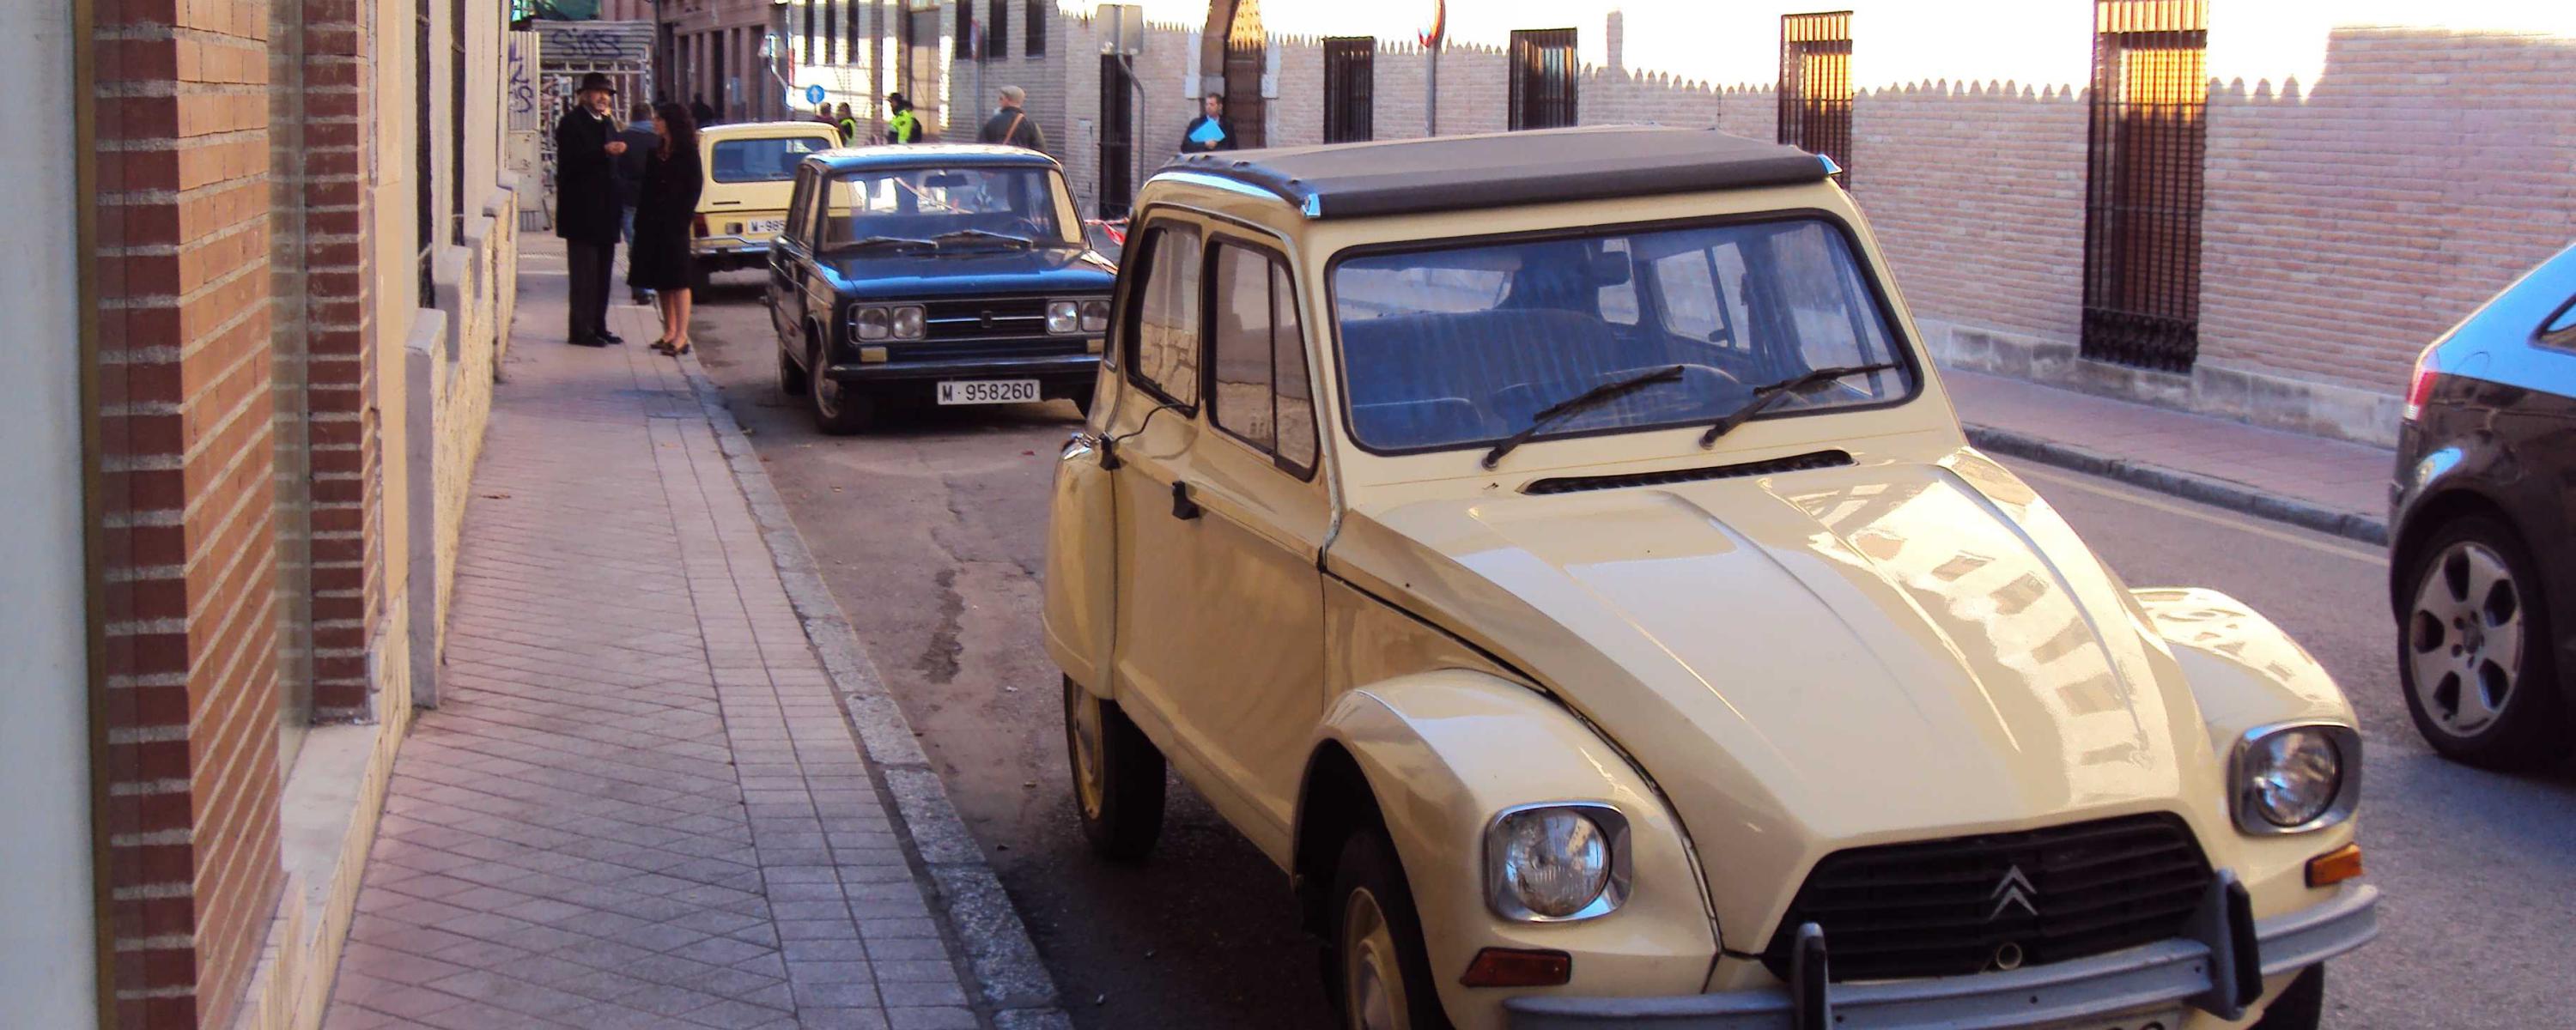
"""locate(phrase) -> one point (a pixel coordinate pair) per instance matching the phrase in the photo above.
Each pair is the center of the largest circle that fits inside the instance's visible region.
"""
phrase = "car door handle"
(1183, 508)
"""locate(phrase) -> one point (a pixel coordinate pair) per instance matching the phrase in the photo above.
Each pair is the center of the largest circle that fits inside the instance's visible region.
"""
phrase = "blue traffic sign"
(814, 94)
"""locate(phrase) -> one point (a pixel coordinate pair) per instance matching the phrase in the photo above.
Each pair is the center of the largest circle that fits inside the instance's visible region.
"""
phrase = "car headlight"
(871, 324)
(909, 322)
(1064, 316)
(1095, 316)
(2295, 777)
(1556, 862)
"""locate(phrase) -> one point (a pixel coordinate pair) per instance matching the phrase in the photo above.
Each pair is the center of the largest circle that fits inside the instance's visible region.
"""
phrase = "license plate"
(2133, 1021)
(987, 391)
(767, 227)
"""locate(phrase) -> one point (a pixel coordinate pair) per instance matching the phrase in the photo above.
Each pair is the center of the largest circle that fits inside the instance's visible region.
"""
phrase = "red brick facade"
(183, 332)
(347, 435)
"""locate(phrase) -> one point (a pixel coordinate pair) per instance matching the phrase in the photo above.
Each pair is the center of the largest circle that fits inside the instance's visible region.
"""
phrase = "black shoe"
(640, 298)
(589, 341)
(606, 337)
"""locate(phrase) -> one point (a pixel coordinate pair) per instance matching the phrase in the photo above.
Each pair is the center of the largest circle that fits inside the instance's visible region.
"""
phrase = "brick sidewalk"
(639, 803)
(2329, 484)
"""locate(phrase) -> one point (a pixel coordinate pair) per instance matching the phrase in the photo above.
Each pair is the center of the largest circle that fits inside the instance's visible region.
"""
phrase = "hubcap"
(1370, 973)
(1082, 713)
(2464, 640)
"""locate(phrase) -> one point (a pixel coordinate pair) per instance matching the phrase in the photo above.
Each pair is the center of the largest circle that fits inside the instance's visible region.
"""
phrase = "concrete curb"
(1011, 983)
(2194, 486)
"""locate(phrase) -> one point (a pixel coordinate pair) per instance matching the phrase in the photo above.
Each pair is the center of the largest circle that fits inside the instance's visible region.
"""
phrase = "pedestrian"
(1011, 126)
(849, 125)
(1209, 131)
(664, 210)
(638, 137)
(904, 126)
(823, 114)
(586, 208)
(699, 110)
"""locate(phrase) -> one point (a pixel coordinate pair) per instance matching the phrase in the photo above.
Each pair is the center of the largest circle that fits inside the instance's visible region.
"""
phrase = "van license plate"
(987, 391)
(768, 227)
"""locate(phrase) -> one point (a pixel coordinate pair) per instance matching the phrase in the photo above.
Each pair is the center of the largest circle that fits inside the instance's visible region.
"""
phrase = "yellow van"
(751, 170)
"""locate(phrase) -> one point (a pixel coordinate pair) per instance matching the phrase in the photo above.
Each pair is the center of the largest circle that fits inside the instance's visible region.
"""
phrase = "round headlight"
(908, 323)
(2293, 777)
(1064, 316)
(870, 323)
(1554, 861)
(1095, 316)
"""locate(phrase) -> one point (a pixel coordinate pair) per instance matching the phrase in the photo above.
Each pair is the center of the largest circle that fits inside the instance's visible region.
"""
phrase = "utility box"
(1122, 29)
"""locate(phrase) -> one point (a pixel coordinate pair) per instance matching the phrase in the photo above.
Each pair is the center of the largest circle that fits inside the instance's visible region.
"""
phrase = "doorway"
(920, 75)
(1247, 56)
(1117, 137)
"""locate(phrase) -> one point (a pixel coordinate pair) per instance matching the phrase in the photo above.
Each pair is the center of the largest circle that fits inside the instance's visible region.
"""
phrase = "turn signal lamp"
(698, 226)
(1518, 967)
(2336, 866)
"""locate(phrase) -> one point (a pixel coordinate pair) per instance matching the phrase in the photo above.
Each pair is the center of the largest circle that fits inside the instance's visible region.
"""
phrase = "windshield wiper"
(1765, 394)
(986, 234)
(1591, 398)
(884, 241)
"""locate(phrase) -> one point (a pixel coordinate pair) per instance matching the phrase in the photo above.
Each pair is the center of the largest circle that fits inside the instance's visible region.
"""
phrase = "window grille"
(1543, 70)
(1816, 85)
(2143, 185)
(1350, 85)
(997, 28)
(1036, 16)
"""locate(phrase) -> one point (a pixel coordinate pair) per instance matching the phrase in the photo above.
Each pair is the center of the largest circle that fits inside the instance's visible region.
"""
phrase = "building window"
(1543, 72)
(965, 30)
(830, 43)
(1816, 85)
(997, 28)
(1350, 85)
(1036, 28)
(2143, 183)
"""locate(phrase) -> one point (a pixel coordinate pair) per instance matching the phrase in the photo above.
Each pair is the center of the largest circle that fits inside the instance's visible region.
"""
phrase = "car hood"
(893, 274)
(1815, 660)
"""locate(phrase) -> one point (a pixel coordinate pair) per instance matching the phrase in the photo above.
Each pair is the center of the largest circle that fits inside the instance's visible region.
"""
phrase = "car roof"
(951, 154)
(1452, 173)
(767, 130)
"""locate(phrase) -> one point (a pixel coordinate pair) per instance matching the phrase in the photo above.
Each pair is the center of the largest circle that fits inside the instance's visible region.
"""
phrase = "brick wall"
(347, 447)
(2348, 225)
(181, 280)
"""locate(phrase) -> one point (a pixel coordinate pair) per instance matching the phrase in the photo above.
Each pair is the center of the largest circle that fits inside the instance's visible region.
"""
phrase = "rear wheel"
(1379, 975)
(838, 410)
(2474, 653)
(2301, 1006)
(1117, 776)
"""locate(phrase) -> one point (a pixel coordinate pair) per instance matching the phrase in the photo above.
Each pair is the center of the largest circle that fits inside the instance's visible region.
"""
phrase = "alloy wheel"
(2464, 638)
(1370, 970)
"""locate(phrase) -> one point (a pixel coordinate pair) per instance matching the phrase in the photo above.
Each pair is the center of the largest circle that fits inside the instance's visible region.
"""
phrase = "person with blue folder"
(1209, 131)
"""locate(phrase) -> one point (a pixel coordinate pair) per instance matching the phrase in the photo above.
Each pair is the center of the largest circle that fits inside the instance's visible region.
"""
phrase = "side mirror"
(949, 180)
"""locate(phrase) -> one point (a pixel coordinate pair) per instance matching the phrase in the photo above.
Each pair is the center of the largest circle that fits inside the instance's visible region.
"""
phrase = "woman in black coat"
(664, 210)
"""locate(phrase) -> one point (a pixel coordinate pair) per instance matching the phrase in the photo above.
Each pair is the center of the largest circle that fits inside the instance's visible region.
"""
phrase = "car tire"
(791, 376)
(838, 411)
(2473, 649)
(1376, 969)
(2301, 1006)
(1082, 404)
(1117, 776)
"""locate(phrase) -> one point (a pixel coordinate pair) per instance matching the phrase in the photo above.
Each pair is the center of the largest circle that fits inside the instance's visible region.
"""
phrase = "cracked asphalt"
(931, 535)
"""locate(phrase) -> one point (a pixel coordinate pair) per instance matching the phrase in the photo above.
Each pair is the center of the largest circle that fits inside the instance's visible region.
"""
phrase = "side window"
(1258, 355)
(1163, 344)
(798, 211)
(1619, 299)
(2560, 330)
(1689, 294)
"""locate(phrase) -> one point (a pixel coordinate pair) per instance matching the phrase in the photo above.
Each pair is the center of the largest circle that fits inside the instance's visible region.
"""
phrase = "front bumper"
(1055, 370)
(729, 252)
(2209, 971)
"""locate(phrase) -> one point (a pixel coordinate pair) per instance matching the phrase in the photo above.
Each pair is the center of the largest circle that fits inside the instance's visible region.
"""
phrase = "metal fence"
(2143, 190)
(1816, 85)
(1543, 82)
(1350, 87)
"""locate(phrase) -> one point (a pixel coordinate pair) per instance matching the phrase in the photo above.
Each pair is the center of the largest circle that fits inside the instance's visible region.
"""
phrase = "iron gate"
(1816, 85)
(2143, 188)
(1543, 78)
(1350, 80)
(1117, 137)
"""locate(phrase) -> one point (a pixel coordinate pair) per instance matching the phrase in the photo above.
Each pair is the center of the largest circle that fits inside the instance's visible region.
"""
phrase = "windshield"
(762, 160)
(1467, 345)
(918, 203)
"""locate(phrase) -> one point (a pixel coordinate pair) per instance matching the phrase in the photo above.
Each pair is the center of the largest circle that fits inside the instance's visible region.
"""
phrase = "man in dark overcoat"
(587, 215)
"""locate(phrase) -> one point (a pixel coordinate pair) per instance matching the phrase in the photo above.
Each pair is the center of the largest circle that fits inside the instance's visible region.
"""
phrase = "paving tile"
(638, 804)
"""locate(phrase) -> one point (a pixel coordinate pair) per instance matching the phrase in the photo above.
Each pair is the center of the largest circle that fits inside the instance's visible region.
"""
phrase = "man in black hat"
(586, 211)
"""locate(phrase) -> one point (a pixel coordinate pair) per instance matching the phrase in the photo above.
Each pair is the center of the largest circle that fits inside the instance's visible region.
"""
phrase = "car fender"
(2245, 673)
(1445, 751)
(1081, 573)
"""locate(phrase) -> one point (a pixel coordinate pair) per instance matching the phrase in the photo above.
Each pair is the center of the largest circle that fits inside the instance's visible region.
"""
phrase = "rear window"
(762, 160)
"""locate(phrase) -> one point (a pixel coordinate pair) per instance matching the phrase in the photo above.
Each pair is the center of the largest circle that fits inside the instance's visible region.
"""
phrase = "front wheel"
(2474, 653)
(1117, 776)
(838, 410)
(1378, 973)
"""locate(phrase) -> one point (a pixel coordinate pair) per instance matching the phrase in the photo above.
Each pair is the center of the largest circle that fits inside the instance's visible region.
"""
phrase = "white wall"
(48, 967)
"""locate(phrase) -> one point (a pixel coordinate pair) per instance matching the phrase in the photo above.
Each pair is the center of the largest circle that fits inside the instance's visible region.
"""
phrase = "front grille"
(1951, 907)
(972, 319)
(969, 350)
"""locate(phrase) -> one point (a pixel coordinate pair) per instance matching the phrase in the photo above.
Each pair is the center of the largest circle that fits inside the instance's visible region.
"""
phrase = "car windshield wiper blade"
(1591, 398)
(884, 241)
(986, 234)
(1768, 392)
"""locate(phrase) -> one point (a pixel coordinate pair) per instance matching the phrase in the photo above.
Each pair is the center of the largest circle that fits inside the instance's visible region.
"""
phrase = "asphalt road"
(931, 535)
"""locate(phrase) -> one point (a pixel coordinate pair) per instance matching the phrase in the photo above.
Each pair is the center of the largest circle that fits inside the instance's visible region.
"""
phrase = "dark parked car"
(2481, 569)
(949, 274)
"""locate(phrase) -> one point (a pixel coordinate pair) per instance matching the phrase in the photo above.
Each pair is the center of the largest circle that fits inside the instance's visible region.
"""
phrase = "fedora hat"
(597, 81)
